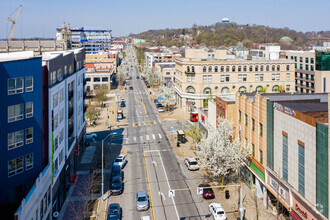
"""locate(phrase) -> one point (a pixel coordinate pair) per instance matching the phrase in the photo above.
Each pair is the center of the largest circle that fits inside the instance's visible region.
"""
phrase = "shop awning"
(295, 216)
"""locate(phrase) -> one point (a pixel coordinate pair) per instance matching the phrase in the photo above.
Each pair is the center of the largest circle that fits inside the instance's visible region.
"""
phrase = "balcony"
(190, 72)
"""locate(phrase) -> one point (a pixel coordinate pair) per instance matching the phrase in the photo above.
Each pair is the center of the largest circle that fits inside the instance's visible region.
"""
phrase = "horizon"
(174, 15)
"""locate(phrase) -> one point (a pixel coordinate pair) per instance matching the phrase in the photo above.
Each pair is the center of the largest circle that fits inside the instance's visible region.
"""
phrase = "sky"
(40, 18)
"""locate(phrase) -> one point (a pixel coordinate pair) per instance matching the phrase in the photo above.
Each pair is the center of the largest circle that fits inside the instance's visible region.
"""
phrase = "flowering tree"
(168, 95)
(218, 153)
(152, 76)
(121, 73)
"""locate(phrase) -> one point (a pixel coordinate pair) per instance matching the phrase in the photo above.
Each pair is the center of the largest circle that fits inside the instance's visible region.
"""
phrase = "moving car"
(145, 218)
(137, 77)
(142, 201)
(116, 170)
(217, 211)
(116, 185)
(114, 212)
(131, 88)
(191, 163)
(121, 160)
(207, 192)
(90, 135)
(122, 104)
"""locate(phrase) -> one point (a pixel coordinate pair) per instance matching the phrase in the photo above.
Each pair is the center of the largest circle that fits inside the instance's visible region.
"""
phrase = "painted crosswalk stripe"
(160, 136)
(147, 137)
(134, 139)
(153, 136)
(126, 140)
(141, 138)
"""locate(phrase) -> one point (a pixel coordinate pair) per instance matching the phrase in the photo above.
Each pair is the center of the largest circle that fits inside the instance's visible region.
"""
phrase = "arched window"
(210, 69)
(250, 69)
(278, 67)
(222, 69)
(244, 68)
(207, 91)
(267, 68)
(256, 68)
(242, 89)
(273, 67)
(261, 68)
(288, 67)
(234, 68)
(259, 88)
(216, 69)
(188, 69)
(225, 90)
(227, 68)
(275, 88)
(190, 89)
(204, 69)
(239, 68)
(192, 69)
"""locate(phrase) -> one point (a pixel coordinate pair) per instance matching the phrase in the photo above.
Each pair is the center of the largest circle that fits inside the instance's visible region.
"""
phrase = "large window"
(60, 96)
(276, 77)
(287, 67)
(288, 76)
(259, 77)
(242, 77)
(15, 166)
(29, 109)
(190, 90)
(261, 129)
(227, 68)
(204, 69)
(278, 68)
(28, 135)
(301, 169)
(28, 161)
(222, 69)
(285, 156)
(210, 69)
(55, 100)
(15, 139)
(190, 78)
(104, 79)
(15, 112)
(15, 86)
(97, 79)
(224, 78)
(216, 69)
(29, 84)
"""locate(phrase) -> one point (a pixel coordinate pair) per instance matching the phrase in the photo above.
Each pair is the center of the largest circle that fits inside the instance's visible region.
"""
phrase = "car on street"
(142, 201)
(114, 212)
(207, 192)
(191, 163)
(145, 218)
(137, 77)
(90, 135)
(116, 185)
(131, 88)
(122, 104)
(217, 211)
(116, 170)
(160, 109)
(121, 160)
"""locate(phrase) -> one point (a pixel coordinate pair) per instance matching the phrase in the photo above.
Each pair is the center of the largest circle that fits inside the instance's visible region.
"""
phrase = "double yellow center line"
(145, 109)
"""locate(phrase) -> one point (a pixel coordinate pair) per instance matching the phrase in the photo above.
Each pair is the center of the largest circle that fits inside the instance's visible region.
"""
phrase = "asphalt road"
(152, 164)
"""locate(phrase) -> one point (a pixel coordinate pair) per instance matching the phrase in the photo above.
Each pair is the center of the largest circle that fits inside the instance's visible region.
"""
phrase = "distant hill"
(229, 34)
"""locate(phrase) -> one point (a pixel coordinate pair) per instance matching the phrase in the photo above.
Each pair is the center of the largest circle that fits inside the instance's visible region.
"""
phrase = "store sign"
(280, 190)
(284, 109)
(304, 210)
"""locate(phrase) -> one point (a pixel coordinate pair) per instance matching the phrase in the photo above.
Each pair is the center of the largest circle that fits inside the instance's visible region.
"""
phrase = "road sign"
(199, 190)
(171, 193)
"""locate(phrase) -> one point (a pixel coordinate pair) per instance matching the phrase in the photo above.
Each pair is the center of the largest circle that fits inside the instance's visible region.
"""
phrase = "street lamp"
(103, 163)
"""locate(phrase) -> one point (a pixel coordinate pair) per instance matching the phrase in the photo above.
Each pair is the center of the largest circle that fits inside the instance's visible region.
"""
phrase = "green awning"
(259, 172)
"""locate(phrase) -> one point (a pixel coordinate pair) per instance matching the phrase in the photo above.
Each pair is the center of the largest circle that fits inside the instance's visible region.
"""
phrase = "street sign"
(199, 190)
(171, 193)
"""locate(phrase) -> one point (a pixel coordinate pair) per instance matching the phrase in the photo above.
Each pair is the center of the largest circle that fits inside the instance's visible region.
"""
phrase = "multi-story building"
(203, 73)
(21, 136)
(151, 58)
(66, 120)
(266, 51)
(102, 61)
(312, 70)
(96, 78)
(259, 122)
(167, 72)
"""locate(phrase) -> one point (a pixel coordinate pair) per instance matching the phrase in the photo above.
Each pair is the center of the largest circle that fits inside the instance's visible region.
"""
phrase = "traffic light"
(151, 123)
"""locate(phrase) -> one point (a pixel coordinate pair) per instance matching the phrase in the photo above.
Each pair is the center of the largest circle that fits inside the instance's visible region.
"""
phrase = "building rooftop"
(12, 56)
(278, 97)
(230, 98)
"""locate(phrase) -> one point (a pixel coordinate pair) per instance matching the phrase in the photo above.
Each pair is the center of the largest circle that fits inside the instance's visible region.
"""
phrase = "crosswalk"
(140, 93)
(143, 138)
(137, 124)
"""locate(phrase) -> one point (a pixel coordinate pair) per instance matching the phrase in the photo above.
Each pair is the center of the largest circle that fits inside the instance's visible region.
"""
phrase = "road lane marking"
(141, 138)
(147, 137)
(160, 136)
(153, 136)
(134, 139)
(149, 189)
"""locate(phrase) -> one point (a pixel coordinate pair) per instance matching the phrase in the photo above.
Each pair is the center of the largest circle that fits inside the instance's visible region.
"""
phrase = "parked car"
(137, 77)
(160, 109)
(131, 88)
(122, 104)
(142, 201)
(90, 135)
(191, 163)
(116, 185)
(121, 160)
(145, 218)
(217, 211)
(148, 86)
(114, 212)
(207, 192)
(116, 170)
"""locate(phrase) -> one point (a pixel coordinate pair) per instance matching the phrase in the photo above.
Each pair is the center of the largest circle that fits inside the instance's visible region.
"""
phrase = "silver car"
(142, 201)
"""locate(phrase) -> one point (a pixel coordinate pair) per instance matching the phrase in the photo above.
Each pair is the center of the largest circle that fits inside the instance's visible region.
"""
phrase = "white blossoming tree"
(152, 76)
(218, 153)
(121, 73)
(168, 95)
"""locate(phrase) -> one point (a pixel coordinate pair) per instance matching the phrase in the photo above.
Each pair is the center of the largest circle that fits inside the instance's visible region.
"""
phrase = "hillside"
(231, 33)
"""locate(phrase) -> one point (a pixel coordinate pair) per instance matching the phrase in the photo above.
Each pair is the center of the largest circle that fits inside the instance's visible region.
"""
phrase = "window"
(261, 68)
(167, 73)
(221, 69)
(267, 68)
(287, 67)
(61, 156)
(261, 157)
(239, 68)
(301, 169)
(312, 68)
(204, 69)
(261, 129)
(205, 79)
(15, 112)
(259, 77)
(276, 77)
(239, 115)
(273, 68)
(295, 59)
(55, 143)
(210, 69)
(287, 88)
(224, 78)
(188, 69)
(209, 79)
(60, 136)
(29, 84)
(96, 79)
(216, 69)
(256, 68)
(60, 96)
(61, 117)
(253, 150)
(301, 59)
(55, 100)
(244, 68)
(29, 109)
(307, 84)
(190, 78)
(246, 119)
(301, 66)
(15, 166)
(29, 161)
(234, 68)
(278, 68)
(295, 65)
(56, 121)
(288, 76)
(28, 135)
(312, 60)
(193, 69)
(88, 79)
(15, 86)
(227, 68)
(15, 139)
(242, 77)
(306, 67)
(285, 156)
(312, 77)
(104, 79)
(253, 122)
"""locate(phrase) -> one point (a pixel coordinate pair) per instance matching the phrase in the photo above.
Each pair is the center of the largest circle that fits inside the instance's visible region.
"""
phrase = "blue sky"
(40, 18)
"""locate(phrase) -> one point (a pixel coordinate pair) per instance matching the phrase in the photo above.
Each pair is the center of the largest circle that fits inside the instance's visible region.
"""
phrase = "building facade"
(151, 58)
(21, 127)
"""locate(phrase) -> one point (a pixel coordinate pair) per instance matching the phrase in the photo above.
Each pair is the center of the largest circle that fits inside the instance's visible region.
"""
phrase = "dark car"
(116, 170)
(137, 77)
(207, 192)
(122, 104)
(148, 86)
(158, 105)
(116, 185)
(131, 88)
(114, 212)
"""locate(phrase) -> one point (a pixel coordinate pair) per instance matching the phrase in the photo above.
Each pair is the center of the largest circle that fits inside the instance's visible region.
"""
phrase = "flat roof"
(277, 97)
(12, 56)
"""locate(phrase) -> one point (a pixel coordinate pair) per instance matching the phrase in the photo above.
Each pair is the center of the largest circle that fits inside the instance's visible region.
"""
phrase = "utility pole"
(241, 208)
